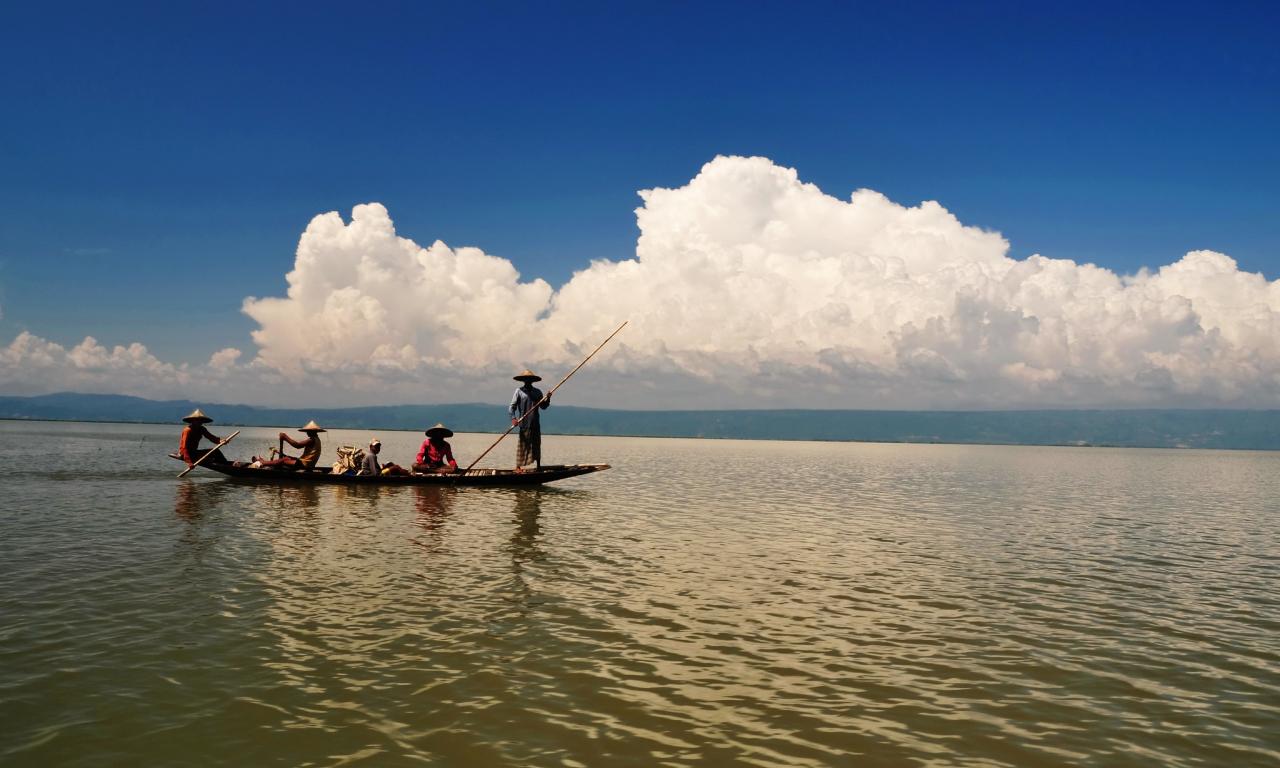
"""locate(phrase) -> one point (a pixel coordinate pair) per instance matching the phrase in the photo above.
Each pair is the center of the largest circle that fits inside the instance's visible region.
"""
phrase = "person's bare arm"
(295, 443)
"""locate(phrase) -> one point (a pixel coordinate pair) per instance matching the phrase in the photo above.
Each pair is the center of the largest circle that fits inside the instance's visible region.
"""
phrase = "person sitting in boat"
(189, 444)
(310, 449)
(371, 465)
(436, 455)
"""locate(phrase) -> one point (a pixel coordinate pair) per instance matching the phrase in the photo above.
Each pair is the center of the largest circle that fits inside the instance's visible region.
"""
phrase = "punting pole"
(544, 398)
(211, 450)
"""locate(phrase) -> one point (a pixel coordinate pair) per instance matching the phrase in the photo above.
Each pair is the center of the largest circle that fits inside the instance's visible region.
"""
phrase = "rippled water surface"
(703, 603)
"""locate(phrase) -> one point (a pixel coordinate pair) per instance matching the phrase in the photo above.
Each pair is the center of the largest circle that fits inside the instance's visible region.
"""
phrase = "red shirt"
(432, 456)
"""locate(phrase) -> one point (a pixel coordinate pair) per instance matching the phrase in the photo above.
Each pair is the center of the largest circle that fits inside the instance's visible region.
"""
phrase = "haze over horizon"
(858, 257)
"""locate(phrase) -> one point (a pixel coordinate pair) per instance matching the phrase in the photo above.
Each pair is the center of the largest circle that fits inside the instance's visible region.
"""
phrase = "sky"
(833, 205)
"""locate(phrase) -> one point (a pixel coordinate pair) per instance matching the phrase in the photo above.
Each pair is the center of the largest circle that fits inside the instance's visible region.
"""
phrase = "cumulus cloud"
(362, 298)
(31, 364)
(224, 358)
(750, 288)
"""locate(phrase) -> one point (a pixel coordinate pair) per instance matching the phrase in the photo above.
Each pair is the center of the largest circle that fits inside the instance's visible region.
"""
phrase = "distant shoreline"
(1148, 428)
(547, 433)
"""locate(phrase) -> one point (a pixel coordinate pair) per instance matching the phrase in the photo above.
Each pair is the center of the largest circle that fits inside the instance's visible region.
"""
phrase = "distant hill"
(1252, 429)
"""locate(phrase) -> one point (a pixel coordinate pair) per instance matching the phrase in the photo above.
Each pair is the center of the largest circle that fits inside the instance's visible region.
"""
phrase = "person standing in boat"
(436, 455)
(525, 405)
(310, 449)
(189, 444)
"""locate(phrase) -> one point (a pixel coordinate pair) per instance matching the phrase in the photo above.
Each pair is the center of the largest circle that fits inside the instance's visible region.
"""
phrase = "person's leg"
(535, 438)
(284, 462)
(216, 458)
(524, 450)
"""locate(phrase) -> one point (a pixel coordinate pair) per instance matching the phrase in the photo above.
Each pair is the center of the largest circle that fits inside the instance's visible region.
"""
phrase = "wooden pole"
(210, 452)
(545, 398)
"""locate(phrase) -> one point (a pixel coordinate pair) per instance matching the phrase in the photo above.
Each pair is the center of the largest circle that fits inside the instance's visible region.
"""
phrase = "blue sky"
(149, 149)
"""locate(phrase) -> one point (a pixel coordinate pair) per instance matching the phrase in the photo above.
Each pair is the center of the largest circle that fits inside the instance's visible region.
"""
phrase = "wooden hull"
(505, 478)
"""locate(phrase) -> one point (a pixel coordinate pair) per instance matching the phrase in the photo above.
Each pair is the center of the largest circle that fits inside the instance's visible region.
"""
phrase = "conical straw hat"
(312, 426)
(439, 430)
(197, 416)
(527, 375)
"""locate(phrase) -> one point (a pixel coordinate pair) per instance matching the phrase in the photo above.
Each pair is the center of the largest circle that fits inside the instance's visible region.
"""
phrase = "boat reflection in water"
(434, 507)
(286, 499)
(187, 502)
(527, 556)
(365, 501)
(524, 539)
(192, 501)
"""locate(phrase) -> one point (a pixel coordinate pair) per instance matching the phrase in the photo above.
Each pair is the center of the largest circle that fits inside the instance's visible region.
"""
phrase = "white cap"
(374, 441)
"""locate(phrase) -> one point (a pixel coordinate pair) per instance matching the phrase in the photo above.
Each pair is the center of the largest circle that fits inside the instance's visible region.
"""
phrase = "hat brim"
(313, 429)
(437, 432)
(197, 419)
(529, 379)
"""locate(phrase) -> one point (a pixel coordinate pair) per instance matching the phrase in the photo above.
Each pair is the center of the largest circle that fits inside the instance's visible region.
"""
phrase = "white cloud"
(224, 358)
(362, 298)
(751, 288)
(34, 365)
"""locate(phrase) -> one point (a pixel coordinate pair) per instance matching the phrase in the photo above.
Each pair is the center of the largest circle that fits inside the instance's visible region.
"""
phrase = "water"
(703, 603)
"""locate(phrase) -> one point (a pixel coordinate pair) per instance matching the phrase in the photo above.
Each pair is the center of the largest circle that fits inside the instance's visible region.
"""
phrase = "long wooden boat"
(472, 477)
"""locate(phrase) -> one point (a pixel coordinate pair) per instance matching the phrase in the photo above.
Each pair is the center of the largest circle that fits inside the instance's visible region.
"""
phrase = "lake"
(703, 603)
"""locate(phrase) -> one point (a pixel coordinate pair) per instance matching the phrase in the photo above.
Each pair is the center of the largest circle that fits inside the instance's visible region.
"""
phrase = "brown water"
(703, 603)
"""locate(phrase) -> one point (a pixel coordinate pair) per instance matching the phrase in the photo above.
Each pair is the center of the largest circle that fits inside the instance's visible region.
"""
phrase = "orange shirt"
(190, 441)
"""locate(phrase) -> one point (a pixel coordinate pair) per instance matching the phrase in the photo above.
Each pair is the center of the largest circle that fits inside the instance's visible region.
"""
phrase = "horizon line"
(1028, 409)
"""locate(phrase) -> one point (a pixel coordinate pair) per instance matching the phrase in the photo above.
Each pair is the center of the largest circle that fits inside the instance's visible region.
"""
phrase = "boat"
(483, 477)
